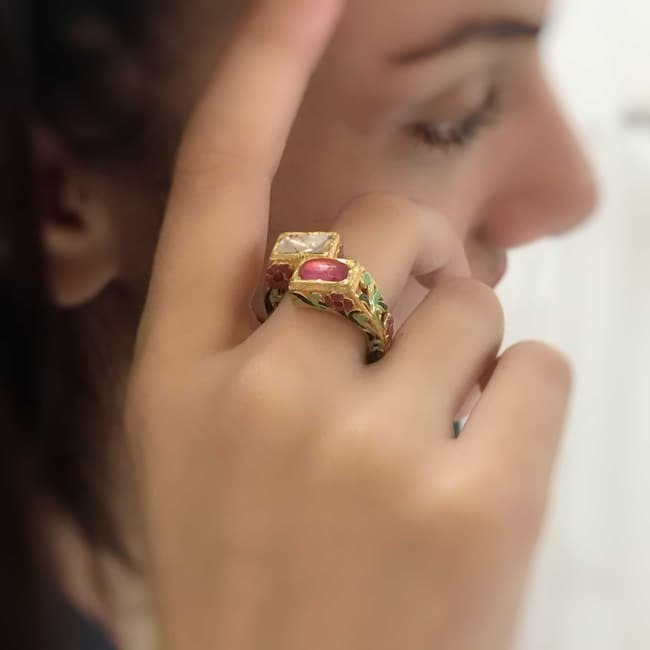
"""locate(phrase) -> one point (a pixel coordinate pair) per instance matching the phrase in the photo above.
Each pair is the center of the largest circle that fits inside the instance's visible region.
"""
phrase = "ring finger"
(394, 239)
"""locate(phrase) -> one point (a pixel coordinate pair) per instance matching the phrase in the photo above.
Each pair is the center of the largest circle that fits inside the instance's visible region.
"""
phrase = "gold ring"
(290, 251)
(309, 267)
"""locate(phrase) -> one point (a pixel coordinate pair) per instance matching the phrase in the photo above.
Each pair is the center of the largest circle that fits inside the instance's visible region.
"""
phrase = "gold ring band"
(309, 267)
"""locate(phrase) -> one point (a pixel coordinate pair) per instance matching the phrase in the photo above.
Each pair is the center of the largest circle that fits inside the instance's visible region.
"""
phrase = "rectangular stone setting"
(310, 243)
(349, 286)
(324, 269)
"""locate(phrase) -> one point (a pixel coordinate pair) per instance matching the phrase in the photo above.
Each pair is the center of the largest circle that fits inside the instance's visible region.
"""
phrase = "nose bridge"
(557, 174)
(545, 185)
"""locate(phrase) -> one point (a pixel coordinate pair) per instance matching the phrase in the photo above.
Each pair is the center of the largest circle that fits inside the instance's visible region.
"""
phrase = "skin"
(358, 109)
(439, 521)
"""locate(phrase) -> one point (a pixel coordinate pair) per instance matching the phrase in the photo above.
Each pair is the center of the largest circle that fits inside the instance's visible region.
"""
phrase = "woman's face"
(444, 103)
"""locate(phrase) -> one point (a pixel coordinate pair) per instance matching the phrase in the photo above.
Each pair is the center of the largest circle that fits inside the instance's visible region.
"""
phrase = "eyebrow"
(500, 29)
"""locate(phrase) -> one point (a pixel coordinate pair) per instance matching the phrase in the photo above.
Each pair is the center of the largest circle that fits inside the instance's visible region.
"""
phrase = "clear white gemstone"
(316, 244)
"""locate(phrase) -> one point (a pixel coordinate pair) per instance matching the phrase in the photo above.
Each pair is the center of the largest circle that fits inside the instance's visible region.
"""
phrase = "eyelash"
(449, 134)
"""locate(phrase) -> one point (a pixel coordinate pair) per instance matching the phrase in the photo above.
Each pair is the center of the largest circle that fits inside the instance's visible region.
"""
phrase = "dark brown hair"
(52, 72)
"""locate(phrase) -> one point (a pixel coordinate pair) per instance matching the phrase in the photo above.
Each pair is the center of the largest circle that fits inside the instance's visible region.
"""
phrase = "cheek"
(309, 196)
(328, 163)
(454, 188)
(477, 192)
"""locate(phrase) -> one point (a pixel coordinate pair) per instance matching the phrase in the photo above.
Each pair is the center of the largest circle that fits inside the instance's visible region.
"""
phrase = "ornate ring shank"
(308, 266)
(290, 251)
(344, 287)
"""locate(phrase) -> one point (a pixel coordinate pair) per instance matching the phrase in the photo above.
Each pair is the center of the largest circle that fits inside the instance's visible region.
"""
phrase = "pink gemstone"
(325, 269)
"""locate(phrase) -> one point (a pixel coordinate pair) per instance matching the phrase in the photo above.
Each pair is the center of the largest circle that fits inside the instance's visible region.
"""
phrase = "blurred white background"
(589, 294)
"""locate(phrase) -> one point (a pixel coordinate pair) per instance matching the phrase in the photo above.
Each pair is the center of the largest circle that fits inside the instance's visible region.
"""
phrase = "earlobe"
(79, 251)
(76, 226)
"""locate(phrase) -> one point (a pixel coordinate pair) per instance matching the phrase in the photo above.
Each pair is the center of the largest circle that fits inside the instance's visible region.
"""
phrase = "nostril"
(582, 207)
(550, 199)
(520, 221)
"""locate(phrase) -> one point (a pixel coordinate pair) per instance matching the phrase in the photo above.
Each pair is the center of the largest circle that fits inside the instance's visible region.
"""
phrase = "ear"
(77, 230)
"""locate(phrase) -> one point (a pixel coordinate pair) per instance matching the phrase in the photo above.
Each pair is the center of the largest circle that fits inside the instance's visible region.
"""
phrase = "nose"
(547, 185)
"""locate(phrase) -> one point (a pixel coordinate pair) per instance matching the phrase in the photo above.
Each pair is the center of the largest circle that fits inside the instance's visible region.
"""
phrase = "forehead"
(392, 25)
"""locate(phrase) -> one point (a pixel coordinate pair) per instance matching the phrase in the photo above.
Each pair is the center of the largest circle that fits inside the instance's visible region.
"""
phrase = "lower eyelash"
(450, 134)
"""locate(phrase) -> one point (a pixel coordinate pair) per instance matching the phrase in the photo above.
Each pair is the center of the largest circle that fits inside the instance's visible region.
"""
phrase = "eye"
(447, 134)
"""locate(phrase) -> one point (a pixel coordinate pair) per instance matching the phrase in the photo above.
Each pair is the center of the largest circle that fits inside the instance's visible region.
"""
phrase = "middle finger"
(448, 343)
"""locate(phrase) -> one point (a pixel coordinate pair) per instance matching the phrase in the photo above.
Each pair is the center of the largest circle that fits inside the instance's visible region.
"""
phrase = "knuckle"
(263, 405)
(468, 300)
(478, 502)
(289, 350)
(467, 505)
(461, 512)
(363, 450)
(257, 388)
(458, 507)
(549, 364)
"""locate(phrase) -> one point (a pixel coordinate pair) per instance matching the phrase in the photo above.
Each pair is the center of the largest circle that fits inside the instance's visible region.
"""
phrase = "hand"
(295, 497)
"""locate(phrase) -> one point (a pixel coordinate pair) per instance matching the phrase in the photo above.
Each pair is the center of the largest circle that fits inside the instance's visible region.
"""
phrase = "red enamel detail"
(278, 276)
(338, 303)
(325, 269)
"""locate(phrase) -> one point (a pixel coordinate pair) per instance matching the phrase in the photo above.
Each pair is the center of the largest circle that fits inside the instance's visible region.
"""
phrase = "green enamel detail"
(369, 313)
(273, 299)
(360, 319)
(299, 298)
(313, 300)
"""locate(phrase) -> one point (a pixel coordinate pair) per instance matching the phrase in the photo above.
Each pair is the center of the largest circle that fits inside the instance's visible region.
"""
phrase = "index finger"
(214, 235)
